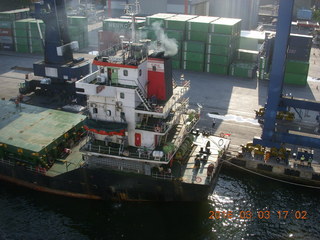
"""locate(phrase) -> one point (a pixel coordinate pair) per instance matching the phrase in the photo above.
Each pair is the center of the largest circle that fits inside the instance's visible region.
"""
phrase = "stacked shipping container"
(223, 41)
(78, 30)
(194, 48)
(177, 25)
(113, 28)
(297, 64)
(6, 27)
(35, 42)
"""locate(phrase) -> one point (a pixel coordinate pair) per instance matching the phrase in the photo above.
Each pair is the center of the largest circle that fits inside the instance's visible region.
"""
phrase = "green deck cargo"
(178, 22)
(200, 23)
(196, 36)
(192, 66)
(228, 26)
(218, 59)
(217, 69)
(193, 46)
(296, 79)
(193, 56)
(159, 17)
(297, 67)
(247, 55)
(29, 131)
(243, 69)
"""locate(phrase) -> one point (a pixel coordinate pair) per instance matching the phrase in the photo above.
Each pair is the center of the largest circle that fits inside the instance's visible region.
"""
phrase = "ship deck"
(33, 128)
(199, 175)
(72, 161)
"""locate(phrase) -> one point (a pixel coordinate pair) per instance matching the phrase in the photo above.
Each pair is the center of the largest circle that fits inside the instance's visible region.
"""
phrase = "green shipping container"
(217, 69)
(200, 23)
(159, 17)
(228, 26)
(177, 56)
(220, 50)
(243, 69)
(77, 21)
(34, 29)
(21, 40)
(296, 79)
(262, 68)
(14, 15)
(176, 64)
(22, 48)
(178, 22)
(5, 24)
(247, 55)
(297, 67)
(218, 59)
(192, 66)
(21, 27)
(220, 39)
(196, 36)
(176, 34)
(193, 56)
(193, 46)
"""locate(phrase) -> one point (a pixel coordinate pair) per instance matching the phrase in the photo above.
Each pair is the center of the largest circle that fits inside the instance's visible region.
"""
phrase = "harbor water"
(242, 206)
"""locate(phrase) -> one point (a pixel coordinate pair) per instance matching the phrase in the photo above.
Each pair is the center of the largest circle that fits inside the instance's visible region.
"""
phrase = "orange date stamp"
(263, 214)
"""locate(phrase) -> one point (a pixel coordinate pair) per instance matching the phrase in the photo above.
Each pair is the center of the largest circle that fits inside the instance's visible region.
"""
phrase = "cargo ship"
(136, 142)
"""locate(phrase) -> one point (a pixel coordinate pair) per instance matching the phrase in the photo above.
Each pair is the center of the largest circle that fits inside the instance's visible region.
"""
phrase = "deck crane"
(59, 70)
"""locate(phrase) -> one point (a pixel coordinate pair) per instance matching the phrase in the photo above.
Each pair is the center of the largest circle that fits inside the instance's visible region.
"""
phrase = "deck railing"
(139, 153)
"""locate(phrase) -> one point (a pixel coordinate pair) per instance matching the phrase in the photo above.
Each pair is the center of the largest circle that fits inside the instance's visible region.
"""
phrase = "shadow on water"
(27, 214)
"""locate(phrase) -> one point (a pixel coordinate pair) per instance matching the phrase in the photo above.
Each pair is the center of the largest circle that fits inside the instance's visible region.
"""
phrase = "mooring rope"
(275, 179)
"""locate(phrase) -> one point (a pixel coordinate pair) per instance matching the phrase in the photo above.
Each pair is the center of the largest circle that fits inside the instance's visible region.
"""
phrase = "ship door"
(137, 139)
(109, 75)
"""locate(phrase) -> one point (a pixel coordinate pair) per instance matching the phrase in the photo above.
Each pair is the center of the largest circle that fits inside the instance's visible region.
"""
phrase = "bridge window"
(122, 95)
(125, 72)
(95, 110)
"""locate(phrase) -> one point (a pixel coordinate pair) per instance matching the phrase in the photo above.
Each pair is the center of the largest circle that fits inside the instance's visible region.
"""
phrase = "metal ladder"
(143, 99)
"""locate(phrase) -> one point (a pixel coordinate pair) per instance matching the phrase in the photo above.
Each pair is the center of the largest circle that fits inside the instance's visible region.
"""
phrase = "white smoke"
(167, 45)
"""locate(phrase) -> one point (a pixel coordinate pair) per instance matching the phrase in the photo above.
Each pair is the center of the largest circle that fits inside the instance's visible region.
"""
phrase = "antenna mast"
(132, 10)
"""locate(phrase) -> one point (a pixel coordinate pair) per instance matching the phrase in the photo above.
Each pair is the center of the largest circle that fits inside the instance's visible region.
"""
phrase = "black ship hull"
(108, 184)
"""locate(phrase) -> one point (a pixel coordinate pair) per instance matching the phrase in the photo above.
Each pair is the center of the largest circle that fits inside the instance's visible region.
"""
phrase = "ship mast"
(132, 10)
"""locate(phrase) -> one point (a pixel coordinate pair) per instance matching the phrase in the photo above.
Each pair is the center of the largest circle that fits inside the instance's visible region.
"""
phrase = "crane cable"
(275, 179)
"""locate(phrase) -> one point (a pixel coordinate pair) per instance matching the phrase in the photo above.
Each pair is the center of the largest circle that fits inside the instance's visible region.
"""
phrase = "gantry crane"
(271, 136)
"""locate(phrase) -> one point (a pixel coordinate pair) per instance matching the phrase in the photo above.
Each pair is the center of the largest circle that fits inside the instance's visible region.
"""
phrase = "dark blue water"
(26, 214)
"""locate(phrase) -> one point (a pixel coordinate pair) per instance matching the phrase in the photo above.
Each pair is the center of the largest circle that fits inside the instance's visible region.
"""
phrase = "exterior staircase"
(143, 99)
